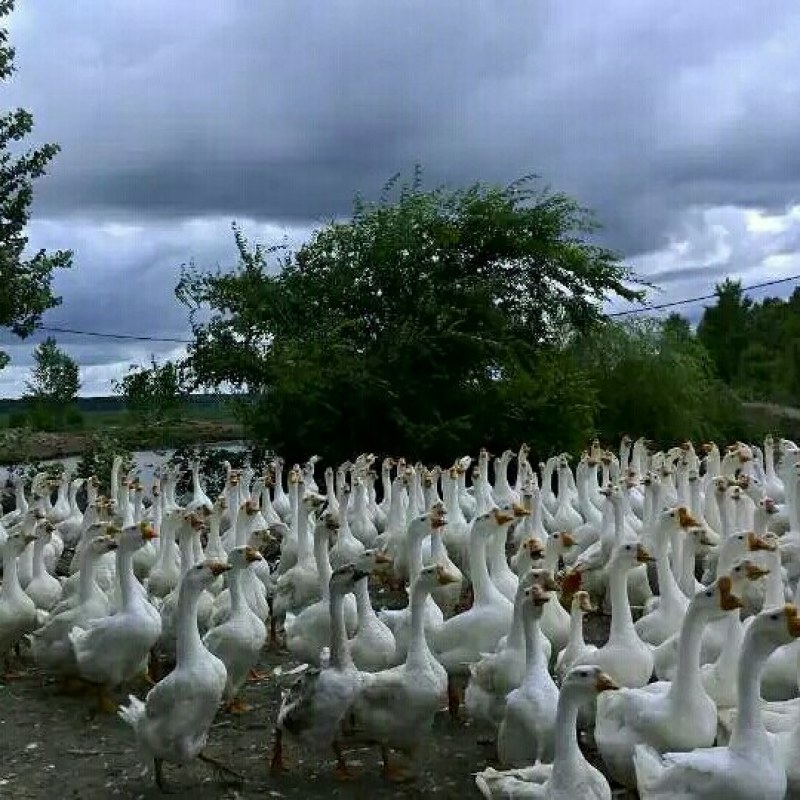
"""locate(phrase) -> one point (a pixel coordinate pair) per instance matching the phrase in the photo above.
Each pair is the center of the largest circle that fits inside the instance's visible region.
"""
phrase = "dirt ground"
(53, 745)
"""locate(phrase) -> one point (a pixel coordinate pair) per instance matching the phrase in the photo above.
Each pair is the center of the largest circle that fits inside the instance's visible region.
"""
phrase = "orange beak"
(757, 543)
(567, 539)
(642, 556)
(251, 555)
(605, 683)
(218, 567)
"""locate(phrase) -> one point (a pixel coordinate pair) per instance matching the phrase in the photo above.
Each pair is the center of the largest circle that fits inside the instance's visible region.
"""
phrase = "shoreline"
(24, 446)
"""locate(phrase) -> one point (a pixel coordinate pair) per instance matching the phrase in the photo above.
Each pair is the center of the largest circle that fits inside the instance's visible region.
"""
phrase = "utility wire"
(51, 329)
(687, 300)
(639, 310)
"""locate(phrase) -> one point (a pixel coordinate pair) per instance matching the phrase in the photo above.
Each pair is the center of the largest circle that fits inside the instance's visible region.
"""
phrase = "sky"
(678, 123)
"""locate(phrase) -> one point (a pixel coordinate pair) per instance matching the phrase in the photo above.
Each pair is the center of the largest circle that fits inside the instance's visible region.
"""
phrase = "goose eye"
(774, 617)
(710, 593)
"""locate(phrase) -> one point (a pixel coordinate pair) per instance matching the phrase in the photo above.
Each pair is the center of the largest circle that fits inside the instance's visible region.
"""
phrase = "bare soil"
(55, 745)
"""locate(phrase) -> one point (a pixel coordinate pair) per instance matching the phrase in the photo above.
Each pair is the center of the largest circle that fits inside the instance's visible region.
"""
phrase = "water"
(146, 462)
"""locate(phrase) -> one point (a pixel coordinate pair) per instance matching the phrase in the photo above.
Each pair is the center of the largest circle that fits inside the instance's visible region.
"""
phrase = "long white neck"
(10, 586)
(124, 559)
(483, 589)
(567, 757)
(418, 651)
(340, 650)
(188, 644)
(322, 559)
(415, 539)
(749, 729)
(86, 576)
(517, 632)
(186, 548)
(688, 556)
(235, 586)
(363, 603)
(575, 628)
(687, 684)
(668, 588)
(535, 660)
(773, 594)
(621, 619)
(303, 543)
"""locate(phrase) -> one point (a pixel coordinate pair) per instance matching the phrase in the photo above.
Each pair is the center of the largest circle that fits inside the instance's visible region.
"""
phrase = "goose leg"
(392, 772)
(453, 699)
(221, 768)
(342, 770)
(158, 769)
(276, 765)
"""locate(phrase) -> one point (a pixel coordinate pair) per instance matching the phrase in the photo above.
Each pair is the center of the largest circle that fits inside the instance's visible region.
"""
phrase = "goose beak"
(218, 567)
(567, 539)
(571, 581)
(148, 531)
(792, 621)
(685, 519)
(642, 556)
(520, 511)
(438, 522)
(536, 547)
(728, 601)
(251, 555)
(549, 583)
(358, 574)
(444, 578)
(754, 571)
(29, 537)
(382, 558)
(604, 683)
(584, 603)
(757, 543)
(502, 518)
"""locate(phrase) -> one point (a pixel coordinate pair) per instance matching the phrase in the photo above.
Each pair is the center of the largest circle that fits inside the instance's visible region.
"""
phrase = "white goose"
(315, 707)
(749, 767)
(395, 707)
(570, 776)
(17, 610)
(173, 722)
(676, 715)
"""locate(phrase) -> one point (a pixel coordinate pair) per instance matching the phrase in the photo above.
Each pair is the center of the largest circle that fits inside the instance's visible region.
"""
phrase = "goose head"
(344, 579)
(581, 602)
(18, 541)
(243, 556)
(776, 626)
(202, 575)
(589, 680)
(102, 544)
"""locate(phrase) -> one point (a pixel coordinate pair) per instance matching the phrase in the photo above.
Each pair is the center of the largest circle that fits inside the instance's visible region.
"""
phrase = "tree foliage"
(55, 377)
(156, 392)
(26, 279)
(755, 346)
(431, 322)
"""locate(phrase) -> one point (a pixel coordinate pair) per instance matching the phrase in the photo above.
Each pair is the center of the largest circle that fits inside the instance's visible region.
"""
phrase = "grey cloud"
(283, 110)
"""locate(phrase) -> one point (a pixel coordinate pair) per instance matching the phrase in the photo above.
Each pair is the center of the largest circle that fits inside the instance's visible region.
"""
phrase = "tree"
(723, 328)
(54, 383)
(402, 328)
(26, 281)
(155, 392)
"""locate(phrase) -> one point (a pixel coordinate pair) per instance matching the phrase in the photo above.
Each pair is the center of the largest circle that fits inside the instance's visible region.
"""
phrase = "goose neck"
(517, 633)
(363, 603)
(303, 543)
(566, 753)
(575, 628)
(124, 559)
(322, 558)
(534, 655)
(86, 576)
(749, 728)
(483, 588)
(234, 578)
(418, 651)
(340, 651)
(188, 645)
(11, 585)
(687, 684)
(621, 618)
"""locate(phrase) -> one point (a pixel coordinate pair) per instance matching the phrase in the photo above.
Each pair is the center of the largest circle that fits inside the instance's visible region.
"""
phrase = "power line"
(639, 310)
(687, 300)
(98, 334)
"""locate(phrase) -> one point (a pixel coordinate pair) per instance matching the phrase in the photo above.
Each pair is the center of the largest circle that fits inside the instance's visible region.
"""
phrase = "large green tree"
(53, 386)
(429, 322)
(25, 278)
(723, 328)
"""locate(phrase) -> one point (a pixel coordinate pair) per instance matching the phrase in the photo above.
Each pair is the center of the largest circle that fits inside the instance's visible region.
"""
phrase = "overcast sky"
(679, 123)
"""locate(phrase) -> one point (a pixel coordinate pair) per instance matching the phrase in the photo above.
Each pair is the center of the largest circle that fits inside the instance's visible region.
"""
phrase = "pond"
(146, 462)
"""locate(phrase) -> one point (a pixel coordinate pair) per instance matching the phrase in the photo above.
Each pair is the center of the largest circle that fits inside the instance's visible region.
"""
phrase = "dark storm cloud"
(282, 110)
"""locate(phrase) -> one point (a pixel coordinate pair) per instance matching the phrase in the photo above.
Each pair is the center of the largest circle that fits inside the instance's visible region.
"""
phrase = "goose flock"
(693, 554)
